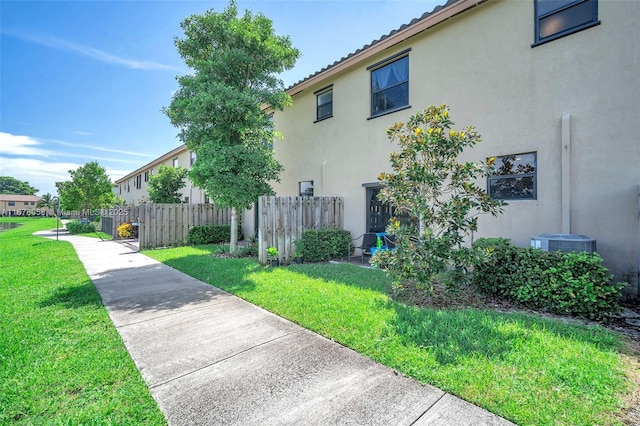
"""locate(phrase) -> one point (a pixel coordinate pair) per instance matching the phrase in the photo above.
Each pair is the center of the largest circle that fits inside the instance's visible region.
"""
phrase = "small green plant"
(250, 249)
(272, 253)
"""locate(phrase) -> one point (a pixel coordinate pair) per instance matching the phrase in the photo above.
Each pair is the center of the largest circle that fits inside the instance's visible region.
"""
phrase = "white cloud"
(90, 52)
(40, 174)
(27, 159)
(99, 148)
(21, 145)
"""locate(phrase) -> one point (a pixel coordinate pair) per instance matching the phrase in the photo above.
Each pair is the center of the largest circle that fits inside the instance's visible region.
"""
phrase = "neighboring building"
(19, 205)
(553, 86)
(133, 188)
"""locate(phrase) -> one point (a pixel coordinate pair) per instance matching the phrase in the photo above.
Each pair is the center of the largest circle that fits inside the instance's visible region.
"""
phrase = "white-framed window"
(514, 178)
(390, 84)
(192, 158)
(175, 163)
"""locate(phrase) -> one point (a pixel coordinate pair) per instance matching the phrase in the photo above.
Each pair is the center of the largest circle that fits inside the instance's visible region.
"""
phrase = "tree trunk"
(233, 245)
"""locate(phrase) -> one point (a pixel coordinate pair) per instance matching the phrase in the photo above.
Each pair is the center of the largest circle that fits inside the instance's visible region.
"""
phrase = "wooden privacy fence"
(164, 225)
(283, 219)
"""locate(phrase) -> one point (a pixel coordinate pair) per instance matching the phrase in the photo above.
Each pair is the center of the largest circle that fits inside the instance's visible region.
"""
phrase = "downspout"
(566, 173)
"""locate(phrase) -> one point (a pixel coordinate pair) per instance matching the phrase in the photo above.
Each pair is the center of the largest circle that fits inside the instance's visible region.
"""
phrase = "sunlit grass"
(61, 360)
(530, 370)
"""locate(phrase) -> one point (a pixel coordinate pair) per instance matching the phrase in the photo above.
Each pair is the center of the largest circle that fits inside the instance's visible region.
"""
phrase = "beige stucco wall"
(135, 196)
(482, 65)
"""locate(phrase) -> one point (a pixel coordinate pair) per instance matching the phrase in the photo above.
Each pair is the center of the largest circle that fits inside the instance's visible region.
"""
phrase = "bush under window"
(564, 283)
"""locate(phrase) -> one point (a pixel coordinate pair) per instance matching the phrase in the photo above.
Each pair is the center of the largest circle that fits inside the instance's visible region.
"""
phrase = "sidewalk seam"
(429, 408)
(157, 385)
(162, 316)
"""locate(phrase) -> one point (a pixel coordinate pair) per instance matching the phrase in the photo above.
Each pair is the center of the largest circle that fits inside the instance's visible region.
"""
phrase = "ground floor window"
(514, 177)
(306, 188)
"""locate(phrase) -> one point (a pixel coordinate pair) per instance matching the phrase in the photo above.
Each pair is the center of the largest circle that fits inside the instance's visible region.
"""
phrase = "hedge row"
(564, 283)
(211, 234)
(321, 245)
(76, 227)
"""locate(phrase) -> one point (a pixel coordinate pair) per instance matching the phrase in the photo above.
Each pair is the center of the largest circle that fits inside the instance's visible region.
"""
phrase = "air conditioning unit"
(564, 242)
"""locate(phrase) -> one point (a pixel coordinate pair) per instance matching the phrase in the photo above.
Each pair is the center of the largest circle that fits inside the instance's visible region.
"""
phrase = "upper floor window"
(192, 160)
(175, 163)
(514, 177)
(146, 176)
(389, 86)
(558, 18)
(324, 103)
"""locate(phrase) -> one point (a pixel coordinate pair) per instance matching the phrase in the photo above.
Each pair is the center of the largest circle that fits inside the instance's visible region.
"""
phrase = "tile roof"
(377, 41)
(20, 198)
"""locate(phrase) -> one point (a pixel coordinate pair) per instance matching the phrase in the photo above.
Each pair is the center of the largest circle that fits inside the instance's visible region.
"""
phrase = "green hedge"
(564, 283)
(76, 227)
(321, 245)
(211, 234)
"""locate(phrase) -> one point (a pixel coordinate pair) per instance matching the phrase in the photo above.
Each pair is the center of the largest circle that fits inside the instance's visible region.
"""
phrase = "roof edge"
(428, 20)
(158, 160)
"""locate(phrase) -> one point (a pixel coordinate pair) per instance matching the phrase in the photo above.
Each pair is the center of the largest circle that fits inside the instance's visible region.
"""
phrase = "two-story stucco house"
(133, 188)
(552, 86)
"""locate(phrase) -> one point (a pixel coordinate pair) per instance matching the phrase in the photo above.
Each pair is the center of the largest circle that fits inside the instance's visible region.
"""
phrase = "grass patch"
(98, 234)
(61, 360)
(530, 370)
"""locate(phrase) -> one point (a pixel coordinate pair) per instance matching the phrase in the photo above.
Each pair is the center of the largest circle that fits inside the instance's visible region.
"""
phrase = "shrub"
(563, 283)
(321, 245)
(76, 227)
(439, 195)
(125, 230)
(250, 249)
(211, 234)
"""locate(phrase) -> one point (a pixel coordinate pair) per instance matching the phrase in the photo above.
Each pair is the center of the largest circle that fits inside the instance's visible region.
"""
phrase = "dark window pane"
(325, 111)
(325, 98)
(565, 20)
(512, 188)
(391, 98)
(515, 164)
(389, 75)
(546, 6)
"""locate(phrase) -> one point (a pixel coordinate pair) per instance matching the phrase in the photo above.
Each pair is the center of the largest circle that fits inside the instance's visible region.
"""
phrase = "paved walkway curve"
(211, 358)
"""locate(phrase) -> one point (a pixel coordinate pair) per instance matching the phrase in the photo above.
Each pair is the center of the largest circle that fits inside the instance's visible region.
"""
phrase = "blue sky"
(86, 80)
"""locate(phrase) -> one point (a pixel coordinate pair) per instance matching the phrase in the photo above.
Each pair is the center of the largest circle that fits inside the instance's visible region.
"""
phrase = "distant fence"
(283, 219)
(165, 225)
(110, 218)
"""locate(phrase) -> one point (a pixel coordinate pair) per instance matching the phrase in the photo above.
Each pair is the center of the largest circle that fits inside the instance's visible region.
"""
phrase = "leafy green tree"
(164, 186)
(10, 185)
(219, 107)
(49, 202)
(438, 194)
(89, 188)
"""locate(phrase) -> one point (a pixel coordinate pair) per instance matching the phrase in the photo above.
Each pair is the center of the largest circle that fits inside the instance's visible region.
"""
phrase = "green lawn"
(61, 360)
(529, 370)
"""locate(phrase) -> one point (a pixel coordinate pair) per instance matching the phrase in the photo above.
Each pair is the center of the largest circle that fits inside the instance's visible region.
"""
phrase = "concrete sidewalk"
(211, 358)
